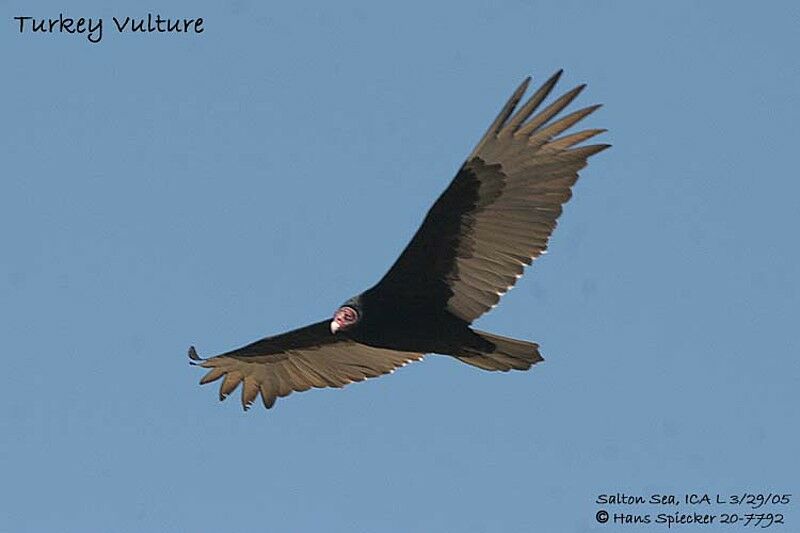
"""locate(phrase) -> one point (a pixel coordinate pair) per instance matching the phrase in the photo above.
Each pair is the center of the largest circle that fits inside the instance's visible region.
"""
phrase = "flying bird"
(494, 218)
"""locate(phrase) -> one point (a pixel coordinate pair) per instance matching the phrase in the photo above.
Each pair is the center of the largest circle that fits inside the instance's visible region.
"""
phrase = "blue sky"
(159, 191)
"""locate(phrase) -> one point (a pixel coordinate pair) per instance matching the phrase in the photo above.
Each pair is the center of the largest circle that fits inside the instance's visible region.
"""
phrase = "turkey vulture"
(495, 217)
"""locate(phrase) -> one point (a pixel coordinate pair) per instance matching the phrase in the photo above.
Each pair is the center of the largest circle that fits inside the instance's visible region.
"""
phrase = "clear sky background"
(159, 191)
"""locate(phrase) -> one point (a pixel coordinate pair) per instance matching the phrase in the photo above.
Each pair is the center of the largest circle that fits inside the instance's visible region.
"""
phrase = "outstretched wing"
(499, 211)
(296, 361)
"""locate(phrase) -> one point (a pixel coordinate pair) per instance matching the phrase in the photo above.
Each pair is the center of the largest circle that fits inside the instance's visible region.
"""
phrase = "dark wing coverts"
(498, 213)
(296, 361)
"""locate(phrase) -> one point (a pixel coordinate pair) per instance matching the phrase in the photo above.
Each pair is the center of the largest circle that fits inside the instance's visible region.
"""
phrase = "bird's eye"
(346, 315)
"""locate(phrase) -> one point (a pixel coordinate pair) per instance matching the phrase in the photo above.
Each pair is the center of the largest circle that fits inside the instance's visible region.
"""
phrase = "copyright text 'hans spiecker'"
(745, 509)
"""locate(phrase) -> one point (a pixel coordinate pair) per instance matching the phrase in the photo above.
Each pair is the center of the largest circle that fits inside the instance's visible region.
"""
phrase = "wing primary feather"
(588, 151)
(267, 398)
(562, 124)
(531, 105)
(213, 375)
(229, 384)
(567, 141)
(249, 392)
(505, 112)
(194, 358)
(551, 110)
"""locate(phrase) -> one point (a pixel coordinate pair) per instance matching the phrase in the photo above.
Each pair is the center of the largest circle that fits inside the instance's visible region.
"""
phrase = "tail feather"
(503, 354)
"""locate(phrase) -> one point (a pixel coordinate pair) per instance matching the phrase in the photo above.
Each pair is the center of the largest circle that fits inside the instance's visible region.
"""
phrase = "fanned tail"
(504, 354)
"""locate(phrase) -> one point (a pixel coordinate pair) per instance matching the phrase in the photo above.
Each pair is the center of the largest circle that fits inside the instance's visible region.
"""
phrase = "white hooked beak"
(334, 326)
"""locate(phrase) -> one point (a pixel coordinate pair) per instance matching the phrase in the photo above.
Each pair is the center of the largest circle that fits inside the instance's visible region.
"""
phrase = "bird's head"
(347, 316)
